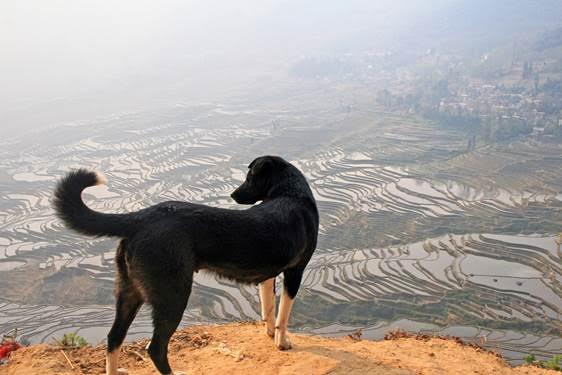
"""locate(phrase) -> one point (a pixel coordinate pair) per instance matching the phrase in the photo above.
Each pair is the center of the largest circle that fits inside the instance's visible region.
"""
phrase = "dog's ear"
(261, 165)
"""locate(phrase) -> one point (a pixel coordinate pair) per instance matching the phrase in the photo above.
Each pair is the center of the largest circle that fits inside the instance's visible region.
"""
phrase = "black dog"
(163, 245)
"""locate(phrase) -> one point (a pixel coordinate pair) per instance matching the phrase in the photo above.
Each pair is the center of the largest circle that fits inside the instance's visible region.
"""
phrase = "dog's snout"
(236, 192)
(243, 195)
(236, 195)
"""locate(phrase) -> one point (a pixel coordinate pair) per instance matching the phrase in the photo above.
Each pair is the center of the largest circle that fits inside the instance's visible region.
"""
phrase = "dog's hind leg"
(128, 304)
(267, 298)
(129, 300)
(167, 311)
(291, 283)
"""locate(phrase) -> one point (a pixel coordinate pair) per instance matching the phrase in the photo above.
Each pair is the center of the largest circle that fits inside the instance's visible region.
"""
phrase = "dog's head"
(264, 174)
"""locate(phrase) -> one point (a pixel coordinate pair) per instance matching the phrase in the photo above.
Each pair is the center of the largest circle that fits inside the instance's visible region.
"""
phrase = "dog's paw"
(120, 371)
(270, 332)
(270, 329)
(283, 342)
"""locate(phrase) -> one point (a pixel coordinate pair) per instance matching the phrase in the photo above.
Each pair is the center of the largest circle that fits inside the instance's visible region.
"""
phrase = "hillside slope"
(243, 348)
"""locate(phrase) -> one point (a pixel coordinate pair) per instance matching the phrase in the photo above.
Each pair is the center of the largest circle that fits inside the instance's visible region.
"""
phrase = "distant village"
(524, 98)
(494, 96)
(529, 104)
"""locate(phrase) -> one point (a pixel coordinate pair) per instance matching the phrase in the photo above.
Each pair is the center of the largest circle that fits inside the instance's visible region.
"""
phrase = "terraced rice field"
(415, 232)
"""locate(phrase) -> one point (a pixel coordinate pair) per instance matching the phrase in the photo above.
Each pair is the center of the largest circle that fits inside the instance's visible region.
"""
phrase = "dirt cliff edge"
(244, 348)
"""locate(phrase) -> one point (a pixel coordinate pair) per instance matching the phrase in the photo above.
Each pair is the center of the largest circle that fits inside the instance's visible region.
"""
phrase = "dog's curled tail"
(70, 208)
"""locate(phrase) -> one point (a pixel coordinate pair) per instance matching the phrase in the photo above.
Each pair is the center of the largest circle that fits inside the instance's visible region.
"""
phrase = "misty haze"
(430, 133)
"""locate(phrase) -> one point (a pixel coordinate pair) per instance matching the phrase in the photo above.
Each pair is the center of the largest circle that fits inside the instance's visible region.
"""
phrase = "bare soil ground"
(244, 348)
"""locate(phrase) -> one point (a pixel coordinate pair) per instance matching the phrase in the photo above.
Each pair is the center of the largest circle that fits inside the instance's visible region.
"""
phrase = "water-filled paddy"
(415, 233)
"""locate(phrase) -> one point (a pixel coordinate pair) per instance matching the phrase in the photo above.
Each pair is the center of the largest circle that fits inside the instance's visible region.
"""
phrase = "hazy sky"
(68, 42)
(61, 60)
(50, 48)
(68, 59)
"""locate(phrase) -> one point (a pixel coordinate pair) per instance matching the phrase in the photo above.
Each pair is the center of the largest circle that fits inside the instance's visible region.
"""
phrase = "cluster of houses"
(536, 110)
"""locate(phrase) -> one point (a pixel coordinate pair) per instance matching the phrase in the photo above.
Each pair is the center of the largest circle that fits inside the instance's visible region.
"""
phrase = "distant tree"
(527, 70)
(536, 83)
(384, 98)
(525, 74)
(552, 128)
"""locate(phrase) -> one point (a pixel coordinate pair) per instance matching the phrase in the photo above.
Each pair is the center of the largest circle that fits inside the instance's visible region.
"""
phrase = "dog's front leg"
(281, 340)
(267, 298)
(291, 283)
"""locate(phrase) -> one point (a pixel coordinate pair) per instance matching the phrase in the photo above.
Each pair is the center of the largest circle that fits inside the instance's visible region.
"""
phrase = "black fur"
(165, 244)
(76, 215)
